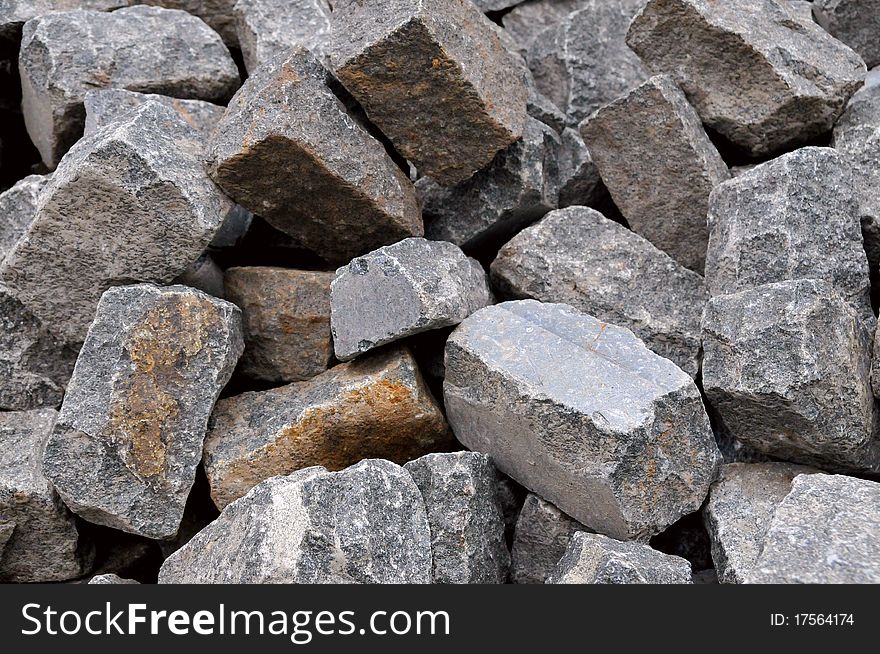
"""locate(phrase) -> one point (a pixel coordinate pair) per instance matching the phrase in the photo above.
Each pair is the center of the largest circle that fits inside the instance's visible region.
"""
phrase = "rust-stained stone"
(286, 321)
(377, 406)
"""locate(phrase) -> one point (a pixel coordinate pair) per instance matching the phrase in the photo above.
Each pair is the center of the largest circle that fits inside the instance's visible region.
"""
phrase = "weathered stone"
(64, 55)
(377, 406)
(467, 526)
(787, 367)
(6, 529)
(403, 289)
(235, 227)
(541, 538)
(339, 193)
(18, 206)
(595, 559)
(532, 18)
(269, 28)
(216, 13)
(540, 107)
(802, 9)
(520, 186)
(741, 505)
(862, 116)
(826, 531)
(579, 180)
(583, 62)
(365, 524)
(659, 166)
(204, 275)
(582, 413)
(286, 321)
(450, 118)
(15, 13)
(755, 73)
(111, 579)
(45, 544)
(855, 22)
(577, 256)
(763, 228)
(127, 204)
(862, 156)
(129, 437)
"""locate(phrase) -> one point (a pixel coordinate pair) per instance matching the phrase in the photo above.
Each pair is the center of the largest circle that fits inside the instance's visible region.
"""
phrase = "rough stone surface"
(130, 433)
(18, 206)
(520, 186)
(532, 18)
(556, 398)
(855, 22)
(579, 181)
(204, 275)
(15, 13)
(64, 55)
(583, 62)
(467, 525)
(827, 530)
(541, 538)
(340, 194)
(862, 116)
(787, 367)
(755, 73)
(802, 9)
(286, 321)
(579, 257)
(738, 513)
(45, 545)
(403, 289)
(216, 13)
(127, 204)
(659, 166)
(366, 524)
(763, 227)
(595, 559)
(450, 118)
(111, 579)
(861, 151)
(377, 406)
(6, 529)
(269, 28)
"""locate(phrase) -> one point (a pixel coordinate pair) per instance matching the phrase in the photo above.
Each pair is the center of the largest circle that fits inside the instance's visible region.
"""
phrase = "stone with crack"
(66, 54)
(286, 321)
(855, 22)
(377, 406)
(579, 180)
(45, 545)
(757, 74)
(659, 166)
(596, 559)
(740, 507)
(541, 538)
(400, 290)
(339, 193)
(825, 531)
(467, 525)
(532, 18)
(130, 433)
(15, 13)
(577, 256)
(18, 206)
(217, 14)
(582, 413)
(449, 118)
(520, 186)
(366, 524)
(787, 368)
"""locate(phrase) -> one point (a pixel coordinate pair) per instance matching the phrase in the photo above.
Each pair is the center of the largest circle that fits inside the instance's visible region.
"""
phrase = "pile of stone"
(448, 291)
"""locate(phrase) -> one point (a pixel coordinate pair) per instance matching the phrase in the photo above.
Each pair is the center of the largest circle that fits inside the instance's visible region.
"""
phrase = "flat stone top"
(571, 358)
(23, 437)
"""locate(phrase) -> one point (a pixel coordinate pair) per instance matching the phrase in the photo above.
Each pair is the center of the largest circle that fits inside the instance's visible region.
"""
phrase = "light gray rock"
(533, 17)
(449, 118)
(467, 525)
(127, 204)
(204, 275)
(130, 433)
(862, 156)
(339, 193)
(541, 538)
(802, 9)
(738, 513)
(15, 13)
(66, 54)
(520, 186)
(495, 5)
(787, 367)
(579, 181)
(216, 13)
(269, 28)
(577, 256)
(826, 531)
(582, 413)
(659, 166)
(595, 559)
(18, 205)
(403, 289)
(45, 545)
(861, 118)
(366, 524)
(111, 579)
(855, 22)
(763, 227)
(755, 73)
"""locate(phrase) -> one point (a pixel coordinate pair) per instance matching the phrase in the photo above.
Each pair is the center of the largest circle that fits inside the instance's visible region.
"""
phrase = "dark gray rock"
(862, 115)
(756, 73)
(204, 275)
(18, 206)
(579, 181)
(855, 22)
(111, 579)
(6, 529)
(659, 166)
(533, 17)
(216, 13)
(577, 256)
(582, 413)
(366, 524)
(542, 535)
(129, 436)
(403, 289)
(467, 526)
